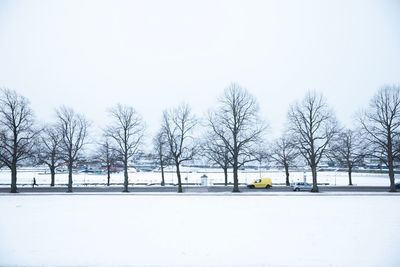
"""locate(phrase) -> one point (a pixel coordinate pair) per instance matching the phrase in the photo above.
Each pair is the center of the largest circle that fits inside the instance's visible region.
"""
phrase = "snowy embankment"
(193, 175)
(172, 230)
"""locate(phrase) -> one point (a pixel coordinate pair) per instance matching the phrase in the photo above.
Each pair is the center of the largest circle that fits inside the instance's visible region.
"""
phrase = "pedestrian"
(34, 182)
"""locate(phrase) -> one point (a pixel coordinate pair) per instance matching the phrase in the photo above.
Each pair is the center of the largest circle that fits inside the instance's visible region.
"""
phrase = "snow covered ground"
(25, 177)
(205, 230)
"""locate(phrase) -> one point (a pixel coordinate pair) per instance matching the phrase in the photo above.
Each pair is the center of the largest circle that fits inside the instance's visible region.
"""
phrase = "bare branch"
(177, 127)
(312, 125)
(237, 125)
(126, 132)
(380, 125)
(73, 130)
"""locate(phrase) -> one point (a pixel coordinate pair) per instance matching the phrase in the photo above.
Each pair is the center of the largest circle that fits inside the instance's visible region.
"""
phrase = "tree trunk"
(53, 175)
(287, 174)
(178, 173)
(108, 174)
(70, 176)
(391, 176)
(162, 175)
(390, 163)
(314, 177)
(349, 172)
(235, 177)
(126, 176)
(226, 175)
(14, 179)
(235, 180)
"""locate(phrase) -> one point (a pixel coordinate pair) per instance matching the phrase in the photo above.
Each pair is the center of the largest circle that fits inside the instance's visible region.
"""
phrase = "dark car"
(397, 185)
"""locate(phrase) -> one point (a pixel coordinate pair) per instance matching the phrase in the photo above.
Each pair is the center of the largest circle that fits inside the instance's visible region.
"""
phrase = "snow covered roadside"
(129, 230)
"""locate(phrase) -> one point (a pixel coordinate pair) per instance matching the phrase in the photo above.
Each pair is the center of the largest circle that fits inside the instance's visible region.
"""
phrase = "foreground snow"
(131, 230)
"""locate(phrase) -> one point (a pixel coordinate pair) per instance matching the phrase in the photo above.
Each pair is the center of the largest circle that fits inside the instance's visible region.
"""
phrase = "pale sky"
(153, 55)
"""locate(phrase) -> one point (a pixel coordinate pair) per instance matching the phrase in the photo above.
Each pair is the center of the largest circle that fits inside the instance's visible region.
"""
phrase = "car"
(397, 185)
(261, 183)
(298, 186)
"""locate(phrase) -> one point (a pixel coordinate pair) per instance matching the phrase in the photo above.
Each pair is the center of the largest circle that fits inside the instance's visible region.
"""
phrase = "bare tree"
(261, 155)
(237, 124)
(348, 150)
(49, 149)
(17, 133)
(73, 128)
(178, 125)
(161, 149)
(381, 125)
(126, 131)
(216, 152)
(284, 152)
(106, 155)
(313, 126)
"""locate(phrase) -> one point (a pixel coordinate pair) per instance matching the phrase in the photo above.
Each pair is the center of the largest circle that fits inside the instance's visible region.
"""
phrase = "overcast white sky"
(90, 55)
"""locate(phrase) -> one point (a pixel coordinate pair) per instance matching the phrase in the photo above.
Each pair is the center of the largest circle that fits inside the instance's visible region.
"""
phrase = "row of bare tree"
(233, 136)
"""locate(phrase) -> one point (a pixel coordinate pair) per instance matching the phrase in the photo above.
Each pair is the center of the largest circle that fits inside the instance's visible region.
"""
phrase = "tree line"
(233, 135)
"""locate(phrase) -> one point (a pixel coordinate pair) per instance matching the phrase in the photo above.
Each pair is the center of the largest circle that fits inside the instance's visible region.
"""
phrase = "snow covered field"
(204, 230)
(25, 177)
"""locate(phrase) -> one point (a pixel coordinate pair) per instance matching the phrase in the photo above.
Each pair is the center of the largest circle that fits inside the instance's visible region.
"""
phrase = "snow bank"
(142, 230)
(194, 176)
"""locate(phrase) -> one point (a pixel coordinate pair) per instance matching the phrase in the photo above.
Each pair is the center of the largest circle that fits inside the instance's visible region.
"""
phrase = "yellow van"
(261, 183)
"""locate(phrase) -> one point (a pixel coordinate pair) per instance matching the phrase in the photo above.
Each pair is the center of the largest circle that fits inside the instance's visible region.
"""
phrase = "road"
(189, 189)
